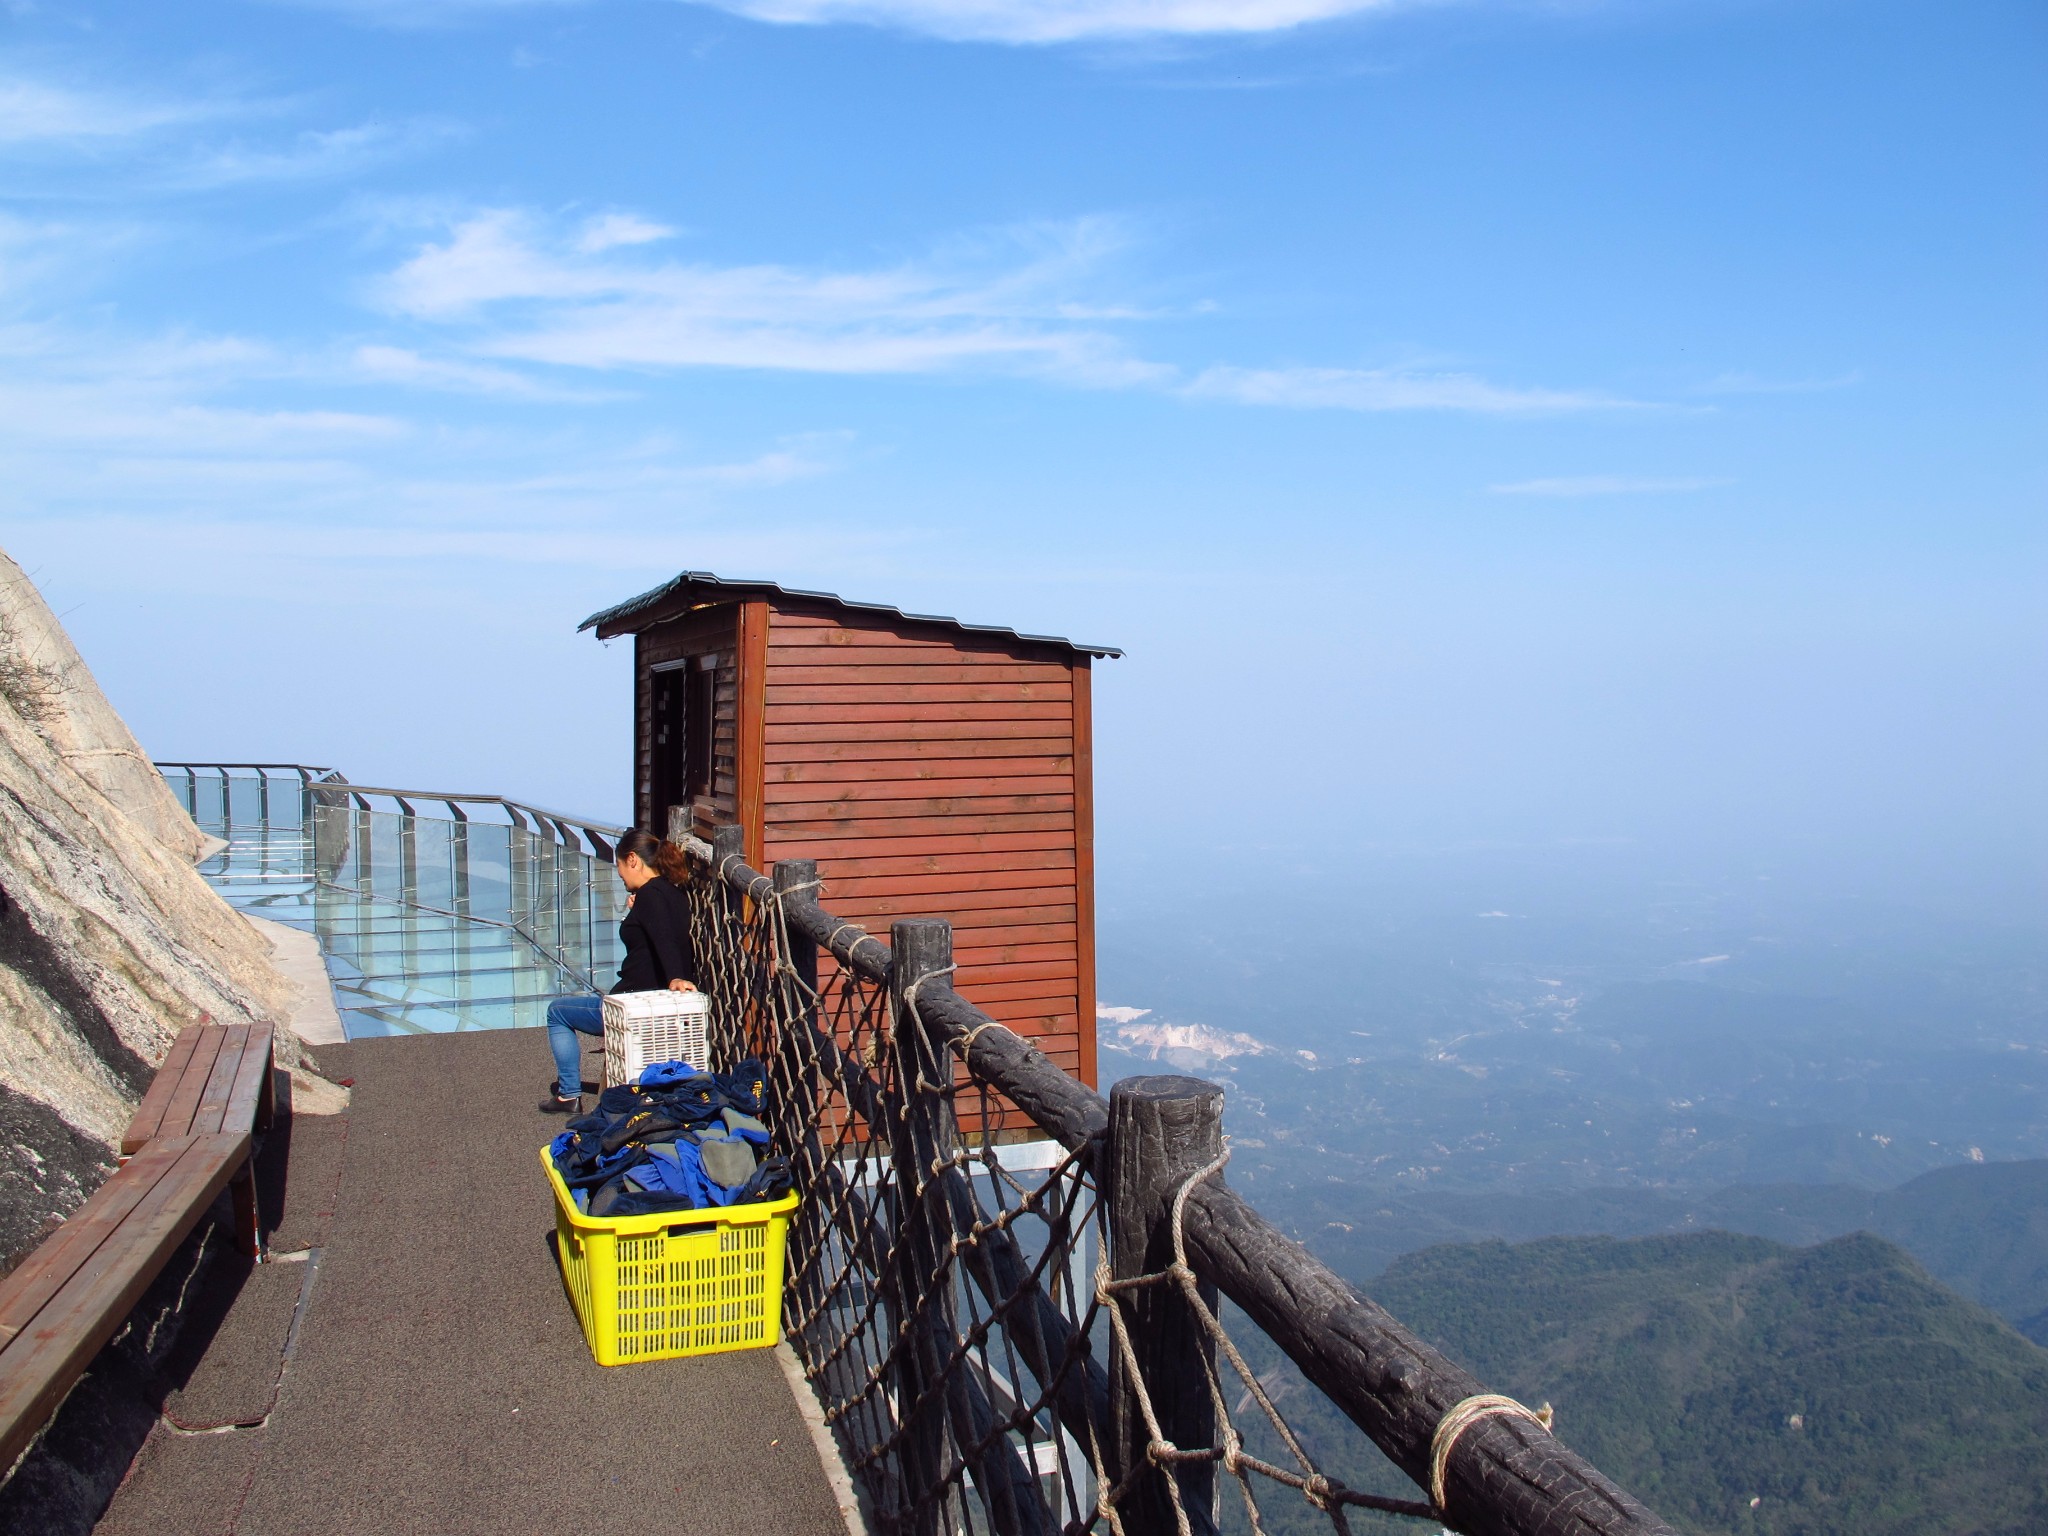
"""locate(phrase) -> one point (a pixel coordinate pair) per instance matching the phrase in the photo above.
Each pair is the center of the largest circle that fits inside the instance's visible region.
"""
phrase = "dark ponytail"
(656, 854)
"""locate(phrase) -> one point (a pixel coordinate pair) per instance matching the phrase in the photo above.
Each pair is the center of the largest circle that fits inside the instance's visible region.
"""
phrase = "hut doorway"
(670, 721)
(684, 698)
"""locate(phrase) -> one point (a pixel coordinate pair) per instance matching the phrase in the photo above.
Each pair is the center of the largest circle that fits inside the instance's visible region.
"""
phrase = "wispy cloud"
(1000, 21)
(315, 154)
(1574, 486)
(595, 298)
(611, 230)
(183, 462)
(505, 285)
(1059, 21)
(148, 140)
(1369, 389)
(403, 366)
(37, 111)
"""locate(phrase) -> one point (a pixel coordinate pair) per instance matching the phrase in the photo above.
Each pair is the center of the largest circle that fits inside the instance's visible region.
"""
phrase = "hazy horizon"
(1605, 432)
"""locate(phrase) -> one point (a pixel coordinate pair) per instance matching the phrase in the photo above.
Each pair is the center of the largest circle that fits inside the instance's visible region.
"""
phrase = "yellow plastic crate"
(674, 1282)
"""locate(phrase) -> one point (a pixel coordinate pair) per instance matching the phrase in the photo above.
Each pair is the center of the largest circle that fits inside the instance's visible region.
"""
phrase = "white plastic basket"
(641, 1028)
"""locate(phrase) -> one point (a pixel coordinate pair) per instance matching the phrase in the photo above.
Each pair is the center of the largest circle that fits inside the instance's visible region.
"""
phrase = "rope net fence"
(935, 1289)
(950, 1291)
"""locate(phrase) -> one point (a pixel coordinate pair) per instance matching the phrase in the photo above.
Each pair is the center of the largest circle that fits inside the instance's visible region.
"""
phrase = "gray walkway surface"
(437, 1380)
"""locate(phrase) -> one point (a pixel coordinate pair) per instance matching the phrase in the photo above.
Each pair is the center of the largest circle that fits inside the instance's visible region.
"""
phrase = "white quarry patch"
(1185, 1045)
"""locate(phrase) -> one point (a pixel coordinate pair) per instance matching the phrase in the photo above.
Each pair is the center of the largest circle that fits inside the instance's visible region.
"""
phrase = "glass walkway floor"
(426, 924)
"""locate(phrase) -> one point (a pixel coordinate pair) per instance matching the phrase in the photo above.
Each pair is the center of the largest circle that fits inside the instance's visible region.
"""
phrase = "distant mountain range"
(1737, 1385)
(1980, 1228)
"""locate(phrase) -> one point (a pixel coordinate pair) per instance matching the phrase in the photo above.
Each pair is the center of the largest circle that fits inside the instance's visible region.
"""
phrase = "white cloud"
(505, 285)
(1359, 389)
(311, 155)
(592, 301)
(1003, 21)
(97, 425)
(611, 230)
(38, 112)
(1604, 485)
(1060, 21)
(400, 365)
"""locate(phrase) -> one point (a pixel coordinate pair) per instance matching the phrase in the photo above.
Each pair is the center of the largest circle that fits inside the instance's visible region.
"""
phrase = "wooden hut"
(932, 768)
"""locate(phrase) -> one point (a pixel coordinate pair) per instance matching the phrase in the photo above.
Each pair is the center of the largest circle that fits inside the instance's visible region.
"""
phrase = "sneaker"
(553, 1105)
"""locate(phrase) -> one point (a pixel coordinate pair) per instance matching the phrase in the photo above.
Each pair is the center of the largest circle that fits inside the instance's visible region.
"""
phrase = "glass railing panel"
(373, 1019)
(427, 922)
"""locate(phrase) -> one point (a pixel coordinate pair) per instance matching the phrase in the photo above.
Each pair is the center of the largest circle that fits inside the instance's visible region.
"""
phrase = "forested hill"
(1837, 1386)
(1980, 1228)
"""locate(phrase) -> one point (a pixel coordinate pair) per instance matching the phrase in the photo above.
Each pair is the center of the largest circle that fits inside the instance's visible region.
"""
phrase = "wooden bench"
(216, 1078)
(193, 1136)
(76, 1290)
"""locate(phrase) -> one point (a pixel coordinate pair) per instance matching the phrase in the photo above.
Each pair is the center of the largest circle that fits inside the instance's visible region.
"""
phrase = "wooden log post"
(799, 1095)
(1162, 1131)
(921, 948)
(680, 830)
(804, 1087)
(955, 1419)
(727, 843)
(796, 880)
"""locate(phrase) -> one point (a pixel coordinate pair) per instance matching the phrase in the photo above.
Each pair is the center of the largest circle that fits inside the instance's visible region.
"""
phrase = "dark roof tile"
(618, 620)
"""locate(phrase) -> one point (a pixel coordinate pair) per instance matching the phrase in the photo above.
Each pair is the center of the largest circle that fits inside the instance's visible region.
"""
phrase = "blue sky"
(1527, 423)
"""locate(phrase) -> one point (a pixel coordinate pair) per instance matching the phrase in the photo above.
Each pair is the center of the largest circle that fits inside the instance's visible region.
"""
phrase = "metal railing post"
(518, 874)
(366, 864)
(458, 859)
(408, 854)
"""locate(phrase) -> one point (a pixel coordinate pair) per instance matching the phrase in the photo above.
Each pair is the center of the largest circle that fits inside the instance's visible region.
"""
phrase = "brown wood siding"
(1084, 856)
(750, 722)
(707, 632)
(932, 774)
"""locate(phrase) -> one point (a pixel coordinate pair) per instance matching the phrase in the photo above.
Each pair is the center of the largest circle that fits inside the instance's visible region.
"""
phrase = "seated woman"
(656, 933)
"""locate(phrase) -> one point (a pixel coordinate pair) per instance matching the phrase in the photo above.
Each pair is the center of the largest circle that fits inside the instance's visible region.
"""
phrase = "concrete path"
(297, 953)
(437, 1382)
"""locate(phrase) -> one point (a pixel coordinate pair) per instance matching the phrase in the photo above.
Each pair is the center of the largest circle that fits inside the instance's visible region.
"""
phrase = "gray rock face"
(110, 942)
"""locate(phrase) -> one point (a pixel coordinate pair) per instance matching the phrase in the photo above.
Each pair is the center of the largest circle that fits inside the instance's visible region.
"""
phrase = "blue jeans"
(569, 1017)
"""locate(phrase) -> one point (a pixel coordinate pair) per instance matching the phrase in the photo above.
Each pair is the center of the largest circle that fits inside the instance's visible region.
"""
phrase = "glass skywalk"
(427, 924)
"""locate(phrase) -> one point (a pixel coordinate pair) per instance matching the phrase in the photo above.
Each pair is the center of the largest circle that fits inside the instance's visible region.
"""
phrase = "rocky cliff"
(110, 942)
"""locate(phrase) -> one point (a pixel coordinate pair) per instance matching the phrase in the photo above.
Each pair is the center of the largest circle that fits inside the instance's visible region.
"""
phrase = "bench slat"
(252, 1082)
(220, 1082)
(60, 1256)
(149, 1114)
(192, 1083)
(38, 1365)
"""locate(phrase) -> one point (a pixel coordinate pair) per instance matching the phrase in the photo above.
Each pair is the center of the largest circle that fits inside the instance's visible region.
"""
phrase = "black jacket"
(656, 933)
